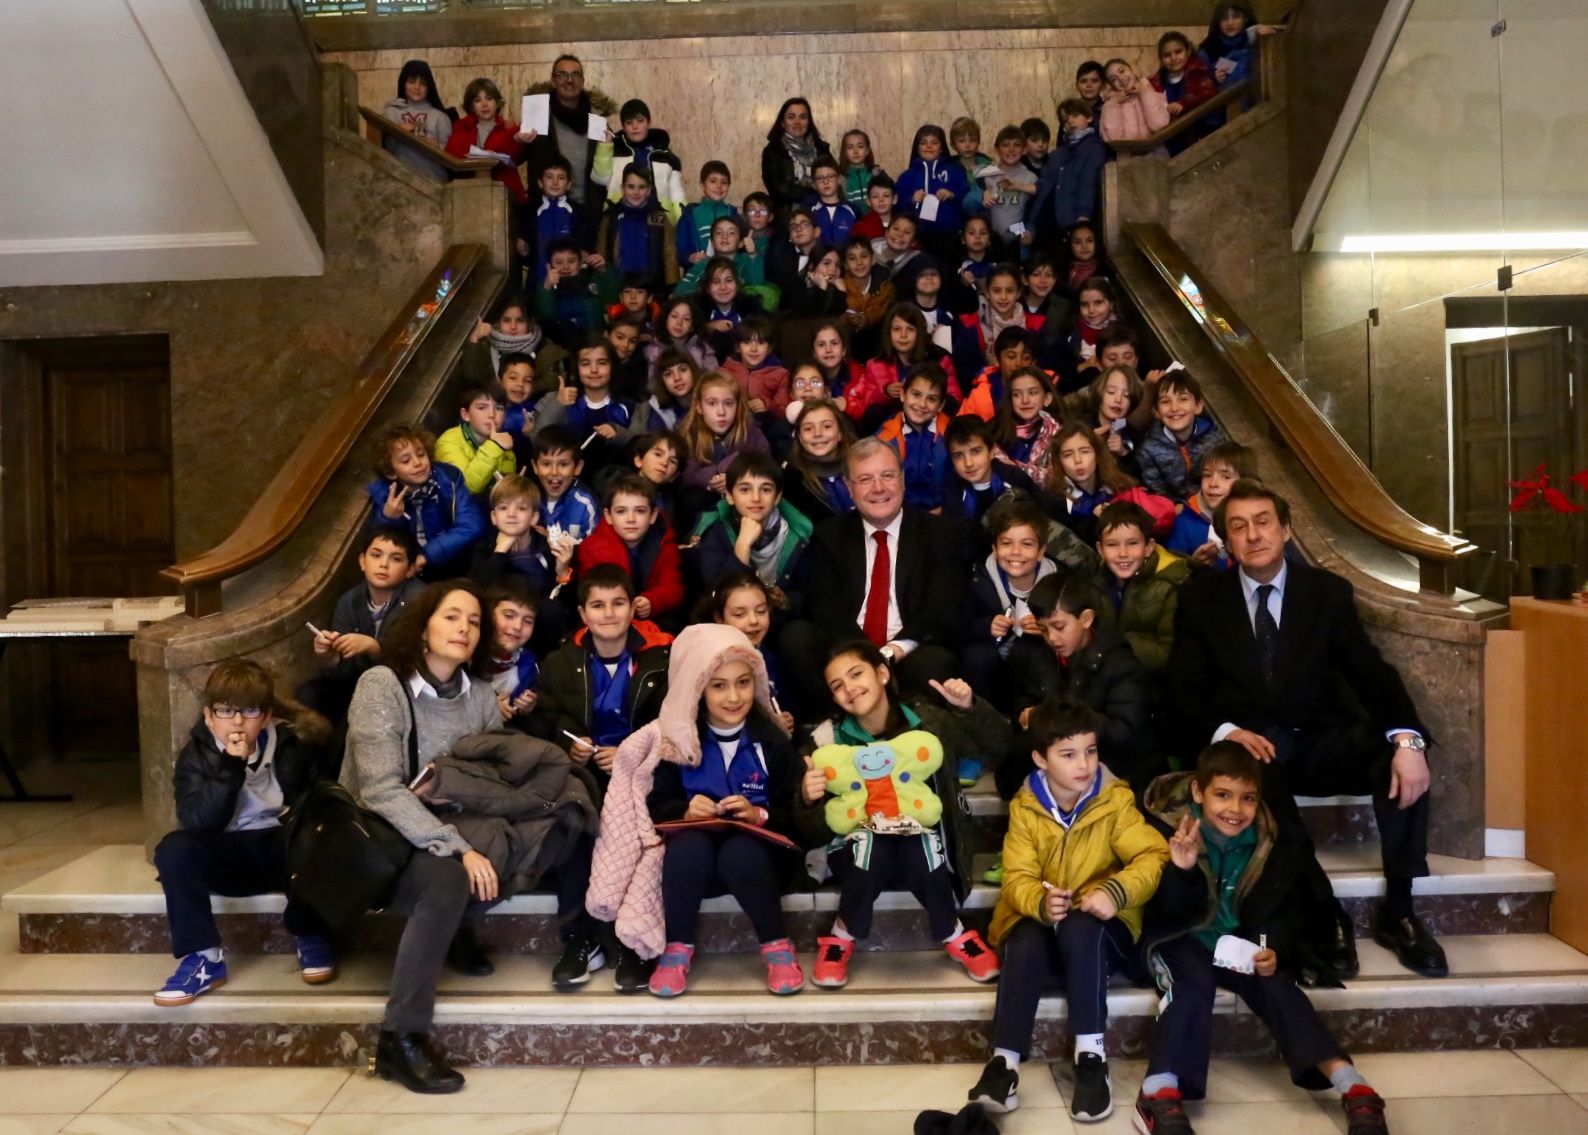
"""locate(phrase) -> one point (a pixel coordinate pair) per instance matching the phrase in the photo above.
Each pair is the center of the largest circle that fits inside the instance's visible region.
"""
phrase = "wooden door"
(1512, 410)
(92, 462)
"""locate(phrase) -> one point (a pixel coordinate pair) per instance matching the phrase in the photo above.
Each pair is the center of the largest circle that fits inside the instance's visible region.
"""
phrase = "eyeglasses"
(867, 480)
(759, 212)
(567, 74)
(232, 712)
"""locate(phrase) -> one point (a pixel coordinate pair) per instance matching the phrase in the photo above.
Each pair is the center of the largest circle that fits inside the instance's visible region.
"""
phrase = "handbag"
(344, 859)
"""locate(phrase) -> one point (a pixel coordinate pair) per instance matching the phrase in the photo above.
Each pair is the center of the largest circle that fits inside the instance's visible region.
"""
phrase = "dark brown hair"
(1250, 489)
(403, 643)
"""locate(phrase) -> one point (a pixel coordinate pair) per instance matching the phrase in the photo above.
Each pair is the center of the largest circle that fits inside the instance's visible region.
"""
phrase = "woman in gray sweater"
(427, 651)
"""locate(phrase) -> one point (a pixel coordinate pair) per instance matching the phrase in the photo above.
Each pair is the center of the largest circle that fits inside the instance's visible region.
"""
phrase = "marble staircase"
(91, 947)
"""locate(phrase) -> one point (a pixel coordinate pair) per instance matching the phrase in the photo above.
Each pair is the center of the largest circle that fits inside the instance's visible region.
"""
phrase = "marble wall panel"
(717, 96)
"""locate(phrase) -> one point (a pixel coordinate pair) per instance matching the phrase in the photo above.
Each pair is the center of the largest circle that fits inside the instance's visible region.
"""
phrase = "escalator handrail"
(287, 499)
(1349, 484)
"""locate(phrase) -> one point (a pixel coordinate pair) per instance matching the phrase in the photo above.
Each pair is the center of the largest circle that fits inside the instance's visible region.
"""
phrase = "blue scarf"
(839, 498)
(1038, 783)
(609, 725)
(633, 245)
(743, 774)
(975, 502)
(582, 417)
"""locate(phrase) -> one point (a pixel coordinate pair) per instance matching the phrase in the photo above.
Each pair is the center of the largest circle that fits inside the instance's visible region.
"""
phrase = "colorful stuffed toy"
(883, 786)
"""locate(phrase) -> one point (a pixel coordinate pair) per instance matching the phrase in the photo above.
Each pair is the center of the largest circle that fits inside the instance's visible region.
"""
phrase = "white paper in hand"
(929, 206)
(535, 113)
(943, 336)
(597, 130)
(1235, 954)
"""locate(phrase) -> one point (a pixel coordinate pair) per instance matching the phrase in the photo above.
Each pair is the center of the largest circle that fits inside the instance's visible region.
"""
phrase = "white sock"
(213, 954)
(842, 931)
(1011, 1058)
(1089, 1042)
(959, 928)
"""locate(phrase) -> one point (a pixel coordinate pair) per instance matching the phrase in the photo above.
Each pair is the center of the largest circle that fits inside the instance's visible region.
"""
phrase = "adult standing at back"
(890, 572)
(792, 147)
(569, 137)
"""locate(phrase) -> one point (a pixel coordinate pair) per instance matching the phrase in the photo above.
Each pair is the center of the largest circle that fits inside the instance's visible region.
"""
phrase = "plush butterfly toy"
(883, 786)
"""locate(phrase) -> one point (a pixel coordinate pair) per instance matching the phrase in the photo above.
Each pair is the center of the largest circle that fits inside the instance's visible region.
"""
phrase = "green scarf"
(1228, 857)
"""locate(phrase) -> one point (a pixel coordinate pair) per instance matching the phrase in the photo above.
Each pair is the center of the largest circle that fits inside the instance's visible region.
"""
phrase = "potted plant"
(1556, 579)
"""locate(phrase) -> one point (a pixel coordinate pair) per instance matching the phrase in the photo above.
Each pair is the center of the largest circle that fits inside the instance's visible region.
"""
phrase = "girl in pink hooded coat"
(716, 750)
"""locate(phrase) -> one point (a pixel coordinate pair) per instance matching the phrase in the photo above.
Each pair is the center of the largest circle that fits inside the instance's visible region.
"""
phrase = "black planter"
(1553, 581)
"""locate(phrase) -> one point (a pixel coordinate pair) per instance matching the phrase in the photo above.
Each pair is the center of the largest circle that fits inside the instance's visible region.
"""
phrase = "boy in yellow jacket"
(1080, 862)
(477, 445)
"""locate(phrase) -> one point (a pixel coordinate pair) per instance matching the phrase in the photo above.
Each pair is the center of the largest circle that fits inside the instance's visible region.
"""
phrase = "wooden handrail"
(1187, 121)
(1349, 484)
(378, 126)
(284, 503)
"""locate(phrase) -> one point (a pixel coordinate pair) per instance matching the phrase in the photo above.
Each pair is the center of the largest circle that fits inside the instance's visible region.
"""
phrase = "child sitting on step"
(887, 846)
(248, 758)
(1234, 876)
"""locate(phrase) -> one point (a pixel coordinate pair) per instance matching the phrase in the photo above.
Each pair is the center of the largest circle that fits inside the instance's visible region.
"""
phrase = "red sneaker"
(1162, 1114)
(783, 973)
(1364, 1111)
(831, 970)
(975, 955)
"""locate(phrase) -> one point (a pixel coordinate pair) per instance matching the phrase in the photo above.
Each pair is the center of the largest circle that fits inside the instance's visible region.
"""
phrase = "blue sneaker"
(195, 975)
(316, 959)
(970, 770)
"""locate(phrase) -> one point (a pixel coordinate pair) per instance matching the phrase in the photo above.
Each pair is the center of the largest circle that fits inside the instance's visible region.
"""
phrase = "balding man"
(891, 573)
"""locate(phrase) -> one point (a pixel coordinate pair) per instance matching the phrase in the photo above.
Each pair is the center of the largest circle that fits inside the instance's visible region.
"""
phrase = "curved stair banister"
(286, 500)
(377, 128)
(1347, 483)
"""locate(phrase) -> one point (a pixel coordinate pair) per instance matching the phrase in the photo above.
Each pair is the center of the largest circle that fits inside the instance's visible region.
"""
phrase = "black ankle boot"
(412, 1061)
(466, 955)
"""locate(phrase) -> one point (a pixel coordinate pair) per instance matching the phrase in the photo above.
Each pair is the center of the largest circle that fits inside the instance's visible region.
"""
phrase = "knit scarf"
(992, 323)
(802, 152)
(505, 344)
(451, 688)
(414, 506)
(1073, 136)
(766, 554)
(1025, 437)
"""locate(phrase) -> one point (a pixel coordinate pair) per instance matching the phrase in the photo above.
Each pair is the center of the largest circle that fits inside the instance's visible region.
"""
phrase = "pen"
(316, 631)
(588, 440)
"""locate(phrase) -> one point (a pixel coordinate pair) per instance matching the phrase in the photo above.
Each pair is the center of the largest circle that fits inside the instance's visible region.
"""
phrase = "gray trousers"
(432, 891)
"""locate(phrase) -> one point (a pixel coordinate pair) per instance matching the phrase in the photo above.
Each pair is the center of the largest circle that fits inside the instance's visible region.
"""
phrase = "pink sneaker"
(671, 975)
(783, 973)
(975, 955)
(831, 970)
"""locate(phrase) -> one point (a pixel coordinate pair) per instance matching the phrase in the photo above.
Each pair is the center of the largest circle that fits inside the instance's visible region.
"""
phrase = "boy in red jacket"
(632, 539)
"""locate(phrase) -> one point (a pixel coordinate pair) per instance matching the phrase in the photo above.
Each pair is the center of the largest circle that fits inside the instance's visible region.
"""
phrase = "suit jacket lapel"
(904, 566)
(852, 554)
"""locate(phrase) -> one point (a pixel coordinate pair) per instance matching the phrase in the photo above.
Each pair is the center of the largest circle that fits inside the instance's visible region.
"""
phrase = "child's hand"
(567, 392)
(1176, 109)
(840, 402)
(738, 808)
(482, 329)
(1098, 905)
(505, 440)
(596, 261)
(1028, 237)
(562, 550)
(642, 607)
(718, 483)
(750, 530)
(606, 430)
(1185, 846)
(894, 390)
(582, 750)
(604, 757)
(348, 645)
(524, 704)
(696, 257)
(237, 744)
(919, 193)
(553, 278)
(748, 244)
(1265, 962)
(503, 706)
(1207, 555)
(1030, 624)
(420, 563)
(325, 642)
(814, 784)
(526, 136)
(944, 195)
(1001, 626)
(701, 808)
(757, 406)
(787, 719)
(395, 499)
(504, 542)
(968, 278)
(1115, 443)
(1025, 716)
(956, 692)
(723, 326)
(1056, 905)
(776, 596)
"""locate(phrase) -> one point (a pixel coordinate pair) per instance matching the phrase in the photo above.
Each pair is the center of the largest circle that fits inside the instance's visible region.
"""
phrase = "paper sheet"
(597, 130)
(943, 336)
(1235, 954)
(535, 113)
(929, 206)
(489, 155)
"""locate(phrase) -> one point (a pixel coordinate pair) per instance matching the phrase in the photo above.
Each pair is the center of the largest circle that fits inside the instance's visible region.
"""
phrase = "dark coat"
(351, 616)
(783, 270)
(565, 689)
(928, 570)
(1146, 616)
(1068, 187)
(207, 782)
(777, 174)
(1105, 676)
(1329, 672)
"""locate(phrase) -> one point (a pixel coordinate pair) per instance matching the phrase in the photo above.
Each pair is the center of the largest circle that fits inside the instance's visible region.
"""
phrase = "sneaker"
(316, 959)
(1162, 1114)
(1364, 1111)
(1094, 1098)
(671, 974)
(970, 770)
(195, 976)
(971, 952)
(632, 973)
(580, 958)
(831, 970)
(783, 973)
(998, 1090)
(995, 873)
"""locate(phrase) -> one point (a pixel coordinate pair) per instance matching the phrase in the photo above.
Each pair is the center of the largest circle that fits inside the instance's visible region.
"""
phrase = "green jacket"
(1146, 617)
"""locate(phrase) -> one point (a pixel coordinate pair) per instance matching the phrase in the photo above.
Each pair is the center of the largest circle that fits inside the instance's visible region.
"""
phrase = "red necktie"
(876, 624)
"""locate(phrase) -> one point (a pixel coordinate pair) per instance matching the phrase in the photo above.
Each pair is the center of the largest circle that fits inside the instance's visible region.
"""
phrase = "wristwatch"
(1412, 741)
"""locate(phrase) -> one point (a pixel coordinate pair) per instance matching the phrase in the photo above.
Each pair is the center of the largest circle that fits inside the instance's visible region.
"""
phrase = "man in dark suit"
(1273, 656)
(884, 571)
(787, 258)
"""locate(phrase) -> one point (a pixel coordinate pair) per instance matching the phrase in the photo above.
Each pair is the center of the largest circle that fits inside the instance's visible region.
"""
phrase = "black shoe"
(1337, 949)
(1413, 944)
(632, 973)
(998, 1090)
(466, 955)
(579, 960)
(411, 1060)
(1094, 1096)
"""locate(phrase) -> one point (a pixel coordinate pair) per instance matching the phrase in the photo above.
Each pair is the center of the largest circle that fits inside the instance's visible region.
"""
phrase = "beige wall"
(717, 97)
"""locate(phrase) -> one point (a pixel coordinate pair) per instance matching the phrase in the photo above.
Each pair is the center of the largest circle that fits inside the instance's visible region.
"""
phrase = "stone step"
(1522, 990)
(108, 902)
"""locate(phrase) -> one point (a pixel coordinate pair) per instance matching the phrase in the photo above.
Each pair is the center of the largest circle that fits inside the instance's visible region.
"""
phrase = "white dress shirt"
(895, 620)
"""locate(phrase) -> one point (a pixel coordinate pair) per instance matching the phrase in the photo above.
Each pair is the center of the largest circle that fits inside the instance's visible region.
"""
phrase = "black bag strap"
(413, 727)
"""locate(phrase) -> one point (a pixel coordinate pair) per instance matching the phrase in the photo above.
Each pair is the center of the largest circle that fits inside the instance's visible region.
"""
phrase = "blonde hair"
(513, 487)
(699, 442)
